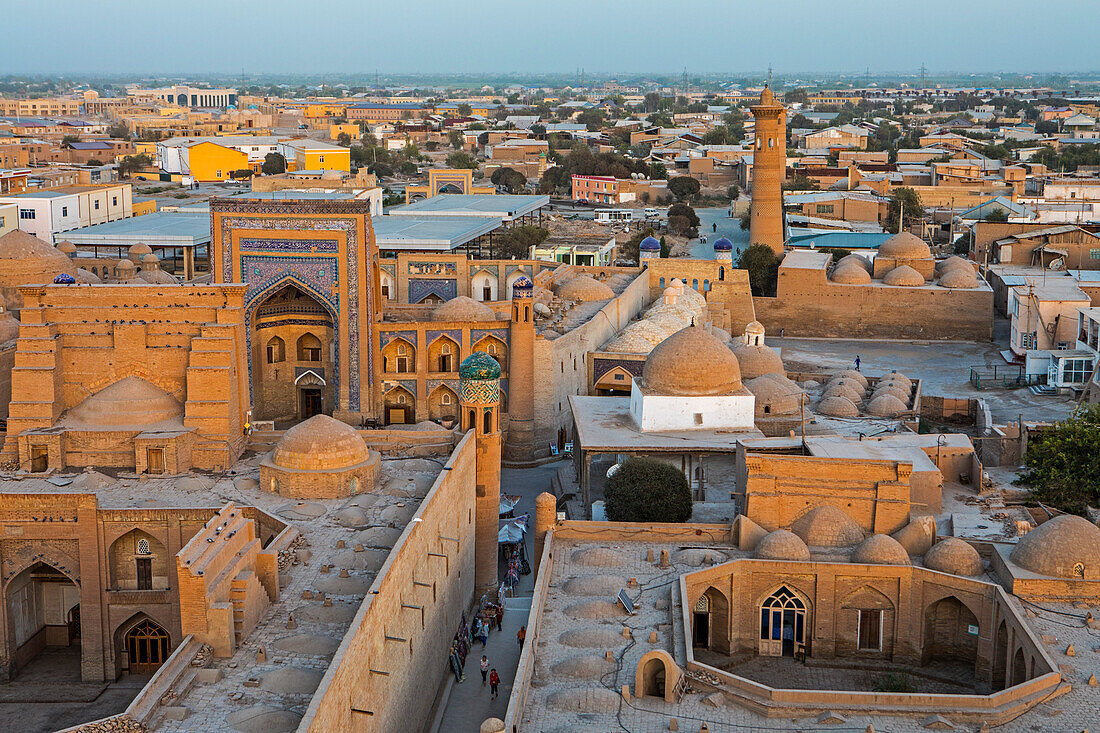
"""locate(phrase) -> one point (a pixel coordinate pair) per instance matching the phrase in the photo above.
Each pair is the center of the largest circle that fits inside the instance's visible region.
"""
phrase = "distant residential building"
(1043, 313)
(386, 112)
(48, 213)
(186, 96)
(599, 190)
(844, 136)
(40, 107)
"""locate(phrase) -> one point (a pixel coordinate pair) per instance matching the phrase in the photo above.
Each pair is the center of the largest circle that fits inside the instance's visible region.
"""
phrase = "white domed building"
(691, 381)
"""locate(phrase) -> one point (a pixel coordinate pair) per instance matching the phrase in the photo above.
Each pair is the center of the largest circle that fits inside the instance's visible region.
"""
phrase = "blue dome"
(522, 287)
(64, 279)
(723, 245)
(650, 244)
(479, 365)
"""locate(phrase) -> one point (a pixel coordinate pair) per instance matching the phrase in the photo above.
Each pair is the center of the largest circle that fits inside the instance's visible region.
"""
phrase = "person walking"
(521, 635)
(494, 680)
(484, 668)
(857, 362)
(714, 227)
(500, 618)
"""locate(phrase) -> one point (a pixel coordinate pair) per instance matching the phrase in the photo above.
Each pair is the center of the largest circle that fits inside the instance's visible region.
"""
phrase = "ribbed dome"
(66, 247)
(681, 310)
(954, 556)
(837, 407)
(903, 276)
(904, 246)
(463, 308)
(886, 405)
(756, 361)
(850, 274)
(131, 402)
(158, 277)
(880, 549)
(86, 276)
(650, 244)
(479, 365)
(854, 259)
(692, 362)
(853, 374)
(893, 388)
(1056, 546)
(895, 376)
(827, 526)
(723, 245)
(667, 321)
(585, 288)
(775, 395)
(321, 443)
(844, 387)
(781, 545)
(961, 277)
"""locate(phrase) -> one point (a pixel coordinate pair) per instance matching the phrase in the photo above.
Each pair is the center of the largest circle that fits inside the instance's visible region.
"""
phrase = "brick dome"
(853, 374)
(88, 277)
(27, 260)
(904, 246)
(880, 549)
(321, 443)
(692, 361)
(892, 388)
(463, 308)
(137, 251)
(585, 288)
(66, 247)
(850, 274)
(954, 556)
(668, 321)
(775, 395)
(854, 259)
(1056, 547)
(130, 402)
(637, 338)
(827, 526)
(951, 263)
(903, 276)
(756, 361)
(781, 544)
(837, 407)
(886, 405)
(844, 387)
(961, 277)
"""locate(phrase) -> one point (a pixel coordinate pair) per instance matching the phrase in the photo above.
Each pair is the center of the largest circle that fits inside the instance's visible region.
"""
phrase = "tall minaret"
(769, 163)
(521, 373)
(479, 402)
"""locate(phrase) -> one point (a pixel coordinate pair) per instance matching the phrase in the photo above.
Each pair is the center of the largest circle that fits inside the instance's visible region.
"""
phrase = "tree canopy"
(511, 179)
(907, 199)
(647, 490)
(516, 242)
(274, 163)
(461, 159)
(762, 263)
(683, 187)
(1063, 463)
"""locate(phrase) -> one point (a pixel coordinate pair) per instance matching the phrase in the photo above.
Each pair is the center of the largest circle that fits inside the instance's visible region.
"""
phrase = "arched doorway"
(710, 622)
(138, 561)
(449, 188)
(400, 407)
(292, 334)
(783, 624)
(443, 355)
(654, 674)
(1019, 668)
(494, 347)
(43, 612)
(483, 286)
(950, 632)
(147, 646)
(1000, 657)
(443, 405)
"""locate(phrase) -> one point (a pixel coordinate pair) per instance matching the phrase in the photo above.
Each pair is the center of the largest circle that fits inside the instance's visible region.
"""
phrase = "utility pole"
(923, 74)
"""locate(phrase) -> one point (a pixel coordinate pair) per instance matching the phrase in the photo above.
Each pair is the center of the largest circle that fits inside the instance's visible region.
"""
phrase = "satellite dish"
(614, 470)
(1058, 264)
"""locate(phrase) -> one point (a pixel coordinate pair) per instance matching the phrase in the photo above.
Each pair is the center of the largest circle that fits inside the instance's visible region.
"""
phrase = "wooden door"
(154, 459)
(144, 573)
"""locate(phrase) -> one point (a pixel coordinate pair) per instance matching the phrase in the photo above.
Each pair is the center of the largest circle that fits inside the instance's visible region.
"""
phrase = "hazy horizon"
(492, 36)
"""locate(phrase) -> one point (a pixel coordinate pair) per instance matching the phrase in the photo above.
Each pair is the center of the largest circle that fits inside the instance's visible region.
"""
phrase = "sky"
(493, 36)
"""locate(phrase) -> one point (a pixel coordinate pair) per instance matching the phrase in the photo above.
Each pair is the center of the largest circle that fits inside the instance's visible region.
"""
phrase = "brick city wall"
(394, 653)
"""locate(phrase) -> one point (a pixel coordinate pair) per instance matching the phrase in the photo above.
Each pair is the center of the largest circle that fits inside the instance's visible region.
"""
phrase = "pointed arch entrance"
(784, 623)
(43, 611)
(143, 643)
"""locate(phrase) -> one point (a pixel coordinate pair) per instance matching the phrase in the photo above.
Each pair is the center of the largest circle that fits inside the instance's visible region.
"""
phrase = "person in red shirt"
(494, 680)
(521, 635)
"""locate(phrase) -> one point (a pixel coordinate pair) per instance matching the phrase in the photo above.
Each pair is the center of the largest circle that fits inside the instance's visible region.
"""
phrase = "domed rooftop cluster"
(584, 289)
(27, 260)
(852, 269)
(955, 272)
(463, 308)
(1064, 547)
(321, 443)
(891, 395)
(692, 362)
(842, 395)
(755, 357)
(827, 526)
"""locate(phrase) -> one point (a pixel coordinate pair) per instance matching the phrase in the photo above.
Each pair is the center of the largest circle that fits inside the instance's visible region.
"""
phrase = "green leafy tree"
(512, 180)
(907, 200)
(465, 110)
(119, 131)
(274, 164)
(516, 242)
(454, 137)
(343, 139)
(647, 490)
(800, 182)
(683, 186)
(996, 215)
(94, 162)
(242, 173)
(629, 248)
(798, 96)
(70, 139)
(461, 159)
(762, 264)
(1063, 464)
(133, 163)
(1046, 127)
(681, 209)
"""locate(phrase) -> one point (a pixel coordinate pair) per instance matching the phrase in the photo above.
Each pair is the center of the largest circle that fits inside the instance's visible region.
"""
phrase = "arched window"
(473, 419)
(309, 348)
(721, 273)
(147, 644)
(487, 419)
(662, 283)
(695, 284)
(706, 286)
(276, 350)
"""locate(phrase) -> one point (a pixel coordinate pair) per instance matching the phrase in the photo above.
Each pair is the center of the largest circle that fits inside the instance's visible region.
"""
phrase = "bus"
(612, 216)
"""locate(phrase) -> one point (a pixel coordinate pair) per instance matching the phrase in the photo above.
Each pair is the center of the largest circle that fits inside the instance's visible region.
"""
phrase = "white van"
(652, 213)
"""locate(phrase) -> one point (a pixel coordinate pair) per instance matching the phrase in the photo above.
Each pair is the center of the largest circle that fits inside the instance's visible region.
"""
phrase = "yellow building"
(209, 161)
(326, 110)
(313, 155)
(348, 128)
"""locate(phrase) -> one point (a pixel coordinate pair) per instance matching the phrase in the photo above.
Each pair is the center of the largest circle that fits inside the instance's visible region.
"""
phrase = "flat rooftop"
(505, 206)
(168, 229)
(431, 233)
(604, 424)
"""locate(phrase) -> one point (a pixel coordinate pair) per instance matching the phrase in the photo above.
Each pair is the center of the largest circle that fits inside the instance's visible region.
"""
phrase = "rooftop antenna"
(769, 76)
(923, 75)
